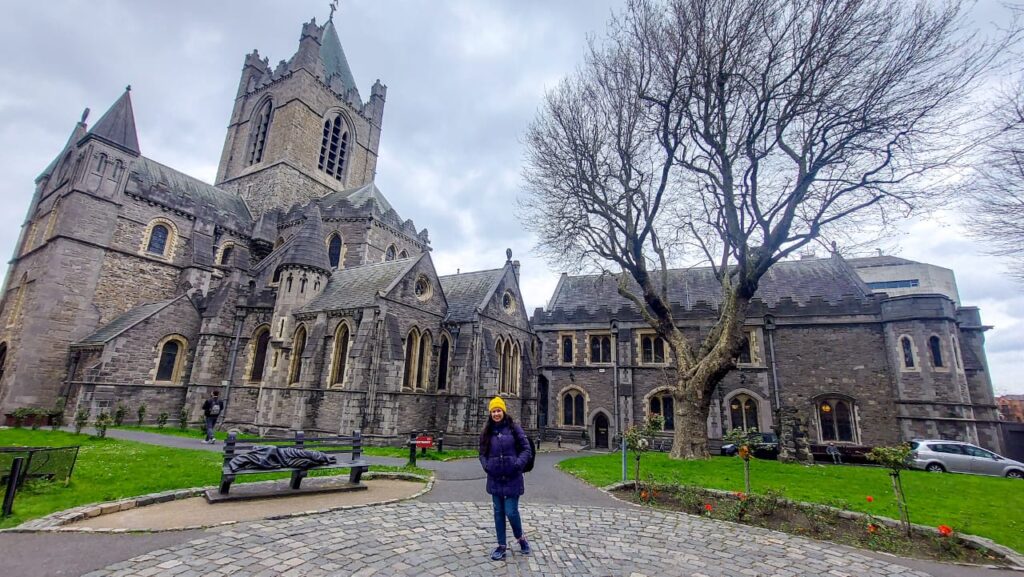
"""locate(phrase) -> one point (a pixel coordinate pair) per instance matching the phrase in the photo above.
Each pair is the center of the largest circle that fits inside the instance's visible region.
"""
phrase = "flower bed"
(771, 511)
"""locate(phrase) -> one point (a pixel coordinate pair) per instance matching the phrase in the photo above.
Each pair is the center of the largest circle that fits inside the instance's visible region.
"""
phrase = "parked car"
(940, 456)
(768, 448)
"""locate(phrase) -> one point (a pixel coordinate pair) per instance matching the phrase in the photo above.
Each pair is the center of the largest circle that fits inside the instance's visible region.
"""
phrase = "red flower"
(945, 530)
(870, 499)
(872, 528)
(643, 495)
(707, 507)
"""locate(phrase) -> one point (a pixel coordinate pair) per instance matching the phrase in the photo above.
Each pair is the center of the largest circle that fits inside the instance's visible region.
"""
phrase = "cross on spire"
(334, 6)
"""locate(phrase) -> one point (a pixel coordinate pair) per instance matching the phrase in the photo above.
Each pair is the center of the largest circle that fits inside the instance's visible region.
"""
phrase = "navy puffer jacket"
(507, 454)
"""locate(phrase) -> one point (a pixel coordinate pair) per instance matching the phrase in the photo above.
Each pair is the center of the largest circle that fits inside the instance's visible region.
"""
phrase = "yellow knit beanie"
(496, 403)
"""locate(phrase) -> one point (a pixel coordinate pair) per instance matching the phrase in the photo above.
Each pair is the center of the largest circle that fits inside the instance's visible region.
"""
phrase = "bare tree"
(997, 187)
(740, 131)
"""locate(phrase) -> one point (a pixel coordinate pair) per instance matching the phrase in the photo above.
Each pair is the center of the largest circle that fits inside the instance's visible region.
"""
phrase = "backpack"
(214, 408)
(532, 452)
(533, 455)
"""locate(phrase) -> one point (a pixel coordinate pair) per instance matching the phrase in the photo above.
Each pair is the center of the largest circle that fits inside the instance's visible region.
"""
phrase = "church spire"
(117, 126)
(333, 56)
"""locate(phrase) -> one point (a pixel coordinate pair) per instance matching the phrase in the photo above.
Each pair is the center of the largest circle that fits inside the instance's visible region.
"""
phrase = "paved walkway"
(575, 529)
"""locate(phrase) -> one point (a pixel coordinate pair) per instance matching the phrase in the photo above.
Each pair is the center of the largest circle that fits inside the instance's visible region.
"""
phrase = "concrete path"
(576, 530)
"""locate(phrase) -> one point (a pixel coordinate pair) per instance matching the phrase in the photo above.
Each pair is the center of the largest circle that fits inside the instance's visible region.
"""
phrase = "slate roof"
(467, 291)
(873, 261)
(358, 287)
(307, 247)
(117, 125)
(829, 279)
(126, 321)
(358, 197)
(176, 189)
(333, 56)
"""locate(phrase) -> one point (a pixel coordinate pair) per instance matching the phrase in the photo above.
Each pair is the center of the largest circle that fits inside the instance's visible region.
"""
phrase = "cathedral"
(294, 287)
(291, 284)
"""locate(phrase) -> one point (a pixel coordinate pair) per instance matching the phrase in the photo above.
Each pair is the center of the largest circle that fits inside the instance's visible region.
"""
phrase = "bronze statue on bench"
(299, 455)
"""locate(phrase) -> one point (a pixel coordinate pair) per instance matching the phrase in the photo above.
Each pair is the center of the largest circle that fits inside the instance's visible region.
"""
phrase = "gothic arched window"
(340, 355)
(908, 352)
(573, 408)
(567, 352)
(158, 239)
(334, 147)
(297, 350)
(412, 344)
(743, 412)
(442, 363)
(169, 366)
(389, 254)
(334, 250)
(652, 349)
(935, 346)
(260, 127)
(837, 420)
(259, 353)
(663, 404)
(424, 356)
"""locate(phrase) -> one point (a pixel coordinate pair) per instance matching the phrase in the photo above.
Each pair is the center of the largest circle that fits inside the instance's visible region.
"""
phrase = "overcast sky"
(464, 79)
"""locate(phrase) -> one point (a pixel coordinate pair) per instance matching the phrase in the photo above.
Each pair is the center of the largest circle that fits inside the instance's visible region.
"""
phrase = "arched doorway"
(601, 431)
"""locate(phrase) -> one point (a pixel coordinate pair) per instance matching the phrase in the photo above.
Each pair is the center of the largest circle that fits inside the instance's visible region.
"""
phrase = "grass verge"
(397, 452)
(111, 469)
(985, 506)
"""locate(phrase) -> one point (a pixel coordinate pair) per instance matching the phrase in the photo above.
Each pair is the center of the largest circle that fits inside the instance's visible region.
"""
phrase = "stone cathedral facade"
(294, 286)
(291, 284)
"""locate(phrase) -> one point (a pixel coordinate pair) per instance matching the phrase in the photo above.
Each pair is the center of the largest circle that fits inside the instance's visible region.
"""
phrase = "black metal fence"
(53, 464)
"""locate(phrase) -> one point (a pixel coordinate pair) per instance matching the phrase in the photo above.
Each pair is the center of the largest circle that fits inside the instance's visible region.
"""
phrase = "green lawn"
(986, 506)
(399, 452)
(110, 469)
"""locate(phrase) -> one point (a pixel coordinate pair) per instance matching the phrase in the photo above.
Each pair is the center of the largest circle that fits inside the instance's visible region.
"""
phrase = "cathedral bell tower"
(300, 130)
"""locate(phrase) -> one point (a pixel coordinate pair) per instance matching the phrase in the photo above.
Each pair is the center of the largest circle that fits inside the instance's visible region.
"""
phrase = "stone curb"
(975, 541)
(54, 522)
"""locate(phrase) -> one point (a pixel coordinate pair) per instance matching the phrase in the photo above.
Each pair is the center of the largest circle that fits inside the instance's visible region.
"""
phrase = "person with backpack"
(505, 453)
(212, 409)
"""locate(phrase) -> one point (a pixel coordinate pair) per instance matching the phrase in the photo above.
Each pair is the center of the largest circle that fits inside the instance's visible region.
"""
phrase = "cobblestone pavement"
(454, 539)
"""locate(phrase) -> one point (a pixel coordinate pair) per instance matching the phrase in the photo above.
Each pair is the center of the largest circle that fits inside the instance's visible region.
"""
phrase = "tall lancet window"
(334, 148)
(260, 127)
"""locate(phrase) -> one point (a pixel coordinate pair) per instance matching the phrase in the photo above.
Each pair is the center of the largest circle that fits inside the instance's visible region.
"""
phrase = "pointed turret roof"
(307, 248)
(333, 56)
(77, 134)
(117, 126)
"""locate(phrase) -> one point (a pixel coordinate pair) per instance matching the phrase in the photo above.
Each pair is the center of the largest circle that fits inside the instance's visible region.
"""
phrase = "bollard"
(559, 441)
(412, 449)
(12, 486)
(440, 443)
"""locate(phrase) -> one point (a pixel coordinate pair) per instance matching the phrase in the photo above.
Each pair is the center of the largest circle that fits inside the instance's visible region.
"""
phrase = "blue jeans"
(211, 422)
(506, 507)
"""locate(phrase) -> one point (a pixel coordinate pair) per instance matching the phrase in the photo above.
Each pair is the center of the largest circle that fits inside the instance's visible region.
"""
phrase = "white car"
(939, 456)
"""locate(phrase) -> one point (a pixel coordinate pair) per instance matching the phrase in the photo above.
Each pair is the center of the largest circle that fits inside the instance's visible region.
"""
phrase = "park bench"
(338, 446)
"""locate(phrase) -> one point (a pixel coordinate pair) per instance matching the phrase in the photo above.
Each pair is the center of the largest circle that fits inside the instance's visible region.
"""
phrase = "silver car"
(939, 456)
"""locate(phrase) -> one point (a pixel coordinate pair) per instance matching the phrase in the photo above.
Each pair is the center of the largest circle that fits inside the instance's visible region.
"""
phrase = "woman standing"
(504, 451)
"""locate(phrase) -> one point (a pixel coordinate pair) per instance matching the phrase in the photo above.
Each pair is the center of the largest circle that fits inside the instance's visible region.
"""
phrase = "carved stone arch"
(224, 252)
(300, 340)
(412, 347)
(832, 419)
(171, 356)
(338, 142)
(446, 350)
(336, 249)
(259, 347)
(153, 240)
(340, 351)
(906, 352)
(573, 388)
(424, 356)
(260, 120)
(764, 408)
(660, 393)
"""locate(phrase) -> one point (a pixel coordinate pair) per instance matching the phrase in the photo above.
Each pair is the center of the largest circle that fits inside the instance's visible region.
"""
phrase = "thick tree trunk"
(691, 429)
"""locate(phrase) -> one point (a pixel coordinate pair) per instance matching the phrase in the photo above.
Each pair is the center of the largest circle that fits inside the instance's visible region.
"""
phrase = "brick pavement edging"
(1011, 555)
(55, 522)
